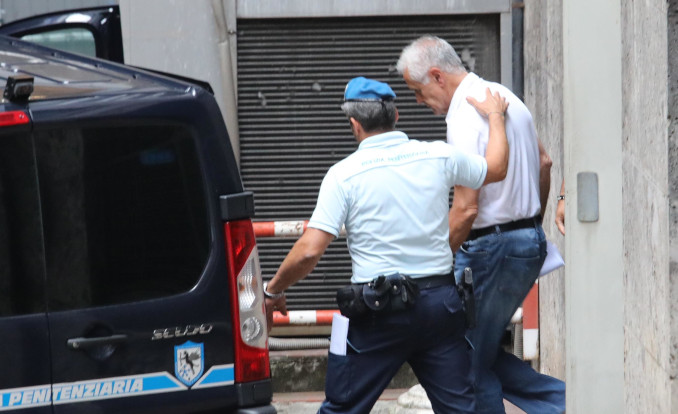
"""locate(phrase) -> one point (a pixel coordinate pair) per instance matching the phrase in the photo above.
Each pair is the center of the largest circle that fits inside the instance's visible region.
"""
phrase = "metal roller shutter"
(291, 79)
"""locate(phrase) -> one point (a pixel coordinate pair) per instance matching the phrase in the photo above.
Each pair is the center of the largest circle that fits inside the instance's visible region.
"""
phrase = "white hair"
(427, 52)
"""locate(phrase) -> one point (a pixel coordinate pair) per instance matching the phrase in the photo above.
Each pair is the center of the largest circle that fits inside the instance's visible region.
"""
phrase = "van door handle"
(85, 343)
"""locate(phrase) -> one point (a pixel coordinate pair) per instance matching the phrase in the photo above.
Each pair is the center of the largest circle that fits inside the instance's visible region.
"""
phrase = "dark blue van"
(129, 273)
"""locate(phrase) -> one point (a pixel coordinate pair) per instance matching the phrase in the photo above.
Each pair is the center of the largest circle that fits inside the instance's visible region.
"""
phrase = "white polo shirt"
(392, 195)
(517, 196)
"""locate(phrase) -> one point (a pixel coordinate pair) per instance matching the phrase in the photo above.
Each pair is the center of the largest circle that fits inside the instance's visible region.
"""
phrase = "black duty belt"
(386, 293)
(501, 228)
(430, 282)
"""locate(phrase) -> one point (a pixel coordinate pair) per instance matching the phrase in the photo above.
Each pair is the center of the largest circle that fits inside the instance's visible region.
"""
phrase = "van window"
(22, 277)
(77, 40)
(124, 214)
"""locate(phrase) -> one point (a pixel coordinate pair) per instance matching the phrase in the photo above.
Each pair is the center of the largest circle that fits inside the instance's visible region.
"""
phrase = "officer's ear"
(355, 126)
(397, 115)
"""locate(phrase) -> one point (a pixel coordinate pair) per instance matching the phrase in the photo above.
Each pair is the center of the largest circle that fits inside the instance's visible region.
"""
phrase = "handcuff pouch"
(393, 292)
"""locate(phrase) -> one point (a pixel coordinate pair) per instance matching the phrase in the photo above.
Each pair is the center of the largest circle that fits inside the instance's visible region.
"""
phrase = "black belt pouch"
(350, 301)
(391, 293)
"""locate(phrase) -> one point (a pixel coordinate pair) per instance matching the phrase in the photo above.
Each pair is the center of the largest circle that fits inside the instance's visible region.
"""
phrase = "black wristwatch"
(561, 197)
(272, 295)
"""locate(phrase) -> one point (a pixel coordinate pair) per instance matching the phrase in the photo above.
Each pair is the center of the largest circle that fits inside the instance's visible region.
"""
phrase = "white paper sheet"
(339, 334)
(553, 259)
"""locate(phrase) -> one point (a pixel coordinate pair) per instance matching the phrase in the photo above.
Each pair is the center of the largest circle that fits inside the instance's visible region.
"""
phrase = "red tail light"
(11, 118)
(247, 301)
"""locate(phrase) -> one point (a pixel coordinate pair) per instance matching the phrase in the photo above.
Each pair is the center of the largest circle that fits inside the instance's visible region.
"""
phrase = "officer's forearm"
(301, 260)
(497, 152)
(296, 266)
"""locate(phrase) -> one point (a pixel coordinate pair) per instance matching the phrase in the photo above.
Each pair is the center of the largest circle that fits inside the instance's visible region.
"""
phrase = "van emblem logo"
(189, 362)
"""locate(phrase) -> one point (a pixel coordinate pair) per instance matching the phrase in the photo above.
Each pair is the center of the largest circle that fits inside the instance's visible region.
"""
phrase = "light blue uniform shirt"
(392, 195)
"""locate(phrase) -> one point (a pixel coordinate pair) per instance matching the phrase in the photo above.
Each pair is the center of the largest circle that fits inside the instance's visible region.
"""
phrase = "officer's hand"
(279, 304)
(493, 103)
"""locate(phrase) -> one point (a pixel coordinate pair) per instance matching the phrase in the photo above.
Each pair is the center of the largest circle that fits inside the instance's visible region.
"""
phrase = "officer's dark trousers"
(430, 337)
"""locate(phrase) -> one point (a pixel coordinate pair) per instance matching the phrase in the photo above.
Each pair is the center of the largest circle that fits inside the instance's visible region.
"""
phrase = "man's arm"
(298, 263)
(545, 164)
(462, 214)
(560, 210)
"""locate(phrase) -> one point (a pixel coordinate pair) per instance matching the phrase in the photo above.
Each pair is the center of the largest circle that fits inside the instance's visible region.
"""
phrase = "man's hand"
(560, 210)
(279, 304)
(560, 216)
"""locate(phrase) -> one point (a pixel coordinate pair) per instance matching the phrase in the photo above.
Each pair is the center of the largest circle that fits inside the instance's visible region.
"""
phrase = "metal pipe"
(289, 344)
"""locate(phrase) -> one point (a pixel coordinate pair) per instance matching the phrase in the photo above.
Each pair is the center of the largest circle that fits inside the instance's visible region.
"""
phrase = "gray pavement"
(299, 379)
(392, 401)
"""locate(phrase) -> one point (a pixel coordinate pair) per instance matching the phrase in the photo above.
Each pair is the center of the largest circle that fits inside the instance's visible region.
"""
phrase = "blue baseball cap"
(363, 89)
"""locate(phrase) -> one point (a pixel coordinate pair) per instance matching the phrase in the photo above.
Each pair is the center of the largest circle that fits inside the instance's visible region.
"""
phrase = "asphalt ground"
(411, 402)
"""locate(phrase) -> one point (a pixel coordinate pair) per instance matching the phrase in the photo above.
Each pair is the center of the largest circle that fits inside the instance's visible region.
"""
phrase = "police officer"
(392, 196)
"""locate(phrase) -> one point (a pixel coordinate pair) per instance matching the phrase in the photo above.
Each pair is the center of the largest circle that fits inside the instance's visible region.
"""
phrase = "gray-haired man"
(495, 230)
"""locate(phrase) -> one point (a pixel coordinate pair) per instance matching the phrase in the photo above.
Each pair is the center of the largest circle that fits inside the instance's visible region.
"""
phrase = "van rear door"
(94, 32)
(24, 350)
(135, 318)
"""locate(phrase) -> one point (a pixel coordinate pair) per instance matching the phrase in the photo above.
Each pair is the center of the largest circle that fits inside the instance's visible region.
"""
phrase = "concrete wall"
(594, 286)
(672, 42)
(649, 192)
(645, 164)
(189, 38)
(544, 96)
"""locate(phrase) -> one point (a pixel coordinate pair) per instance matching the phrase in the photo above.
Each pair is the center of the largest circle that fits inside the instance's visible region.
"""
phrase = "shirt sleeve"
(465, 169)
(470, 139)
(330, 210)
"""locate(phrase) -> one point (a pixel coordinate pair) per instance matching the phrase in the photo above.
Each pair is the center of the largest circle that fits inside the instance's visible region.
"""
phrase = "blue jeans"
(430, 337)
(505, 267)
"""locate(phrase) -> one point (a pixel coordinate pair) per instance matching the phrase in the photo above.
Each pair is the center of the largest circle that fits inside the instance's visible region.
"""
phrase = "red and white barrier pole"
(293, 229)
(529, 312)
(311, 317)
(531, 324)
(283, 228)
(279, 228)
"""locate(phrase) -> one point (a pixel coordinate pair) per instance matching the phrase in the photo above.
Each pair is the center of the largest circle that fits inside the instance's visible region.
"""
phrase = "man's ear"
(436, 75)
(397, 115)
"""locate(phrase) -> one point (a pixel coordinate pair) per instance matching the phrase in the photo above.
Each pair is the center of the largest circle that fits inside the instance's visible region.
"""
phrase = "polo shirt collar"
(463, 90)
(386, 139)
